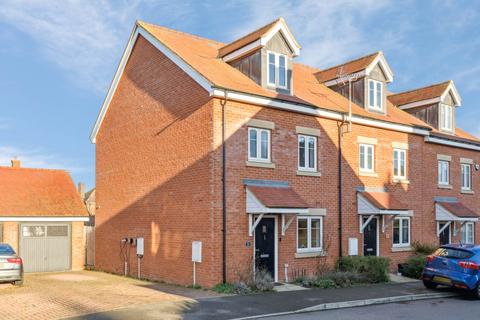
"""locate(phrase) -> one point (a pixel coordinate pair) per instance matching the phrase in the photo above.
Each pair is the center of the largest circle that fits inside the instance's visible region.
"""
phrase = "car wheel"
(476, 291)
(429, 284)
(18, 283)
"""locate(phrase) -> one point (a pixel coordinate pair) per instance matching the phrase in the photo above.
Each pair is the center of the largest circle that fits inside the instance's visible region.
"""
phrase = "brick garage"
(159, 155)
(42, 217)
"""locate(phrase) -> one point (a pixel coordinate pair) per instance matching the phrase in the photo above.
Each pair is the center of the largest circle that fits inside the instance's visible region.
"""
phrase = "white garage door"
(45, 247)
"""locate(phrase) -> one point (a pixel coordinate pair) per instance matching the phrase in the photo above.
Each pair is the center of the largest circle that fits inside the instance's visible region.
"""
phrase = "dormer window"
(277, 70)
(375, 95)
(446, 117)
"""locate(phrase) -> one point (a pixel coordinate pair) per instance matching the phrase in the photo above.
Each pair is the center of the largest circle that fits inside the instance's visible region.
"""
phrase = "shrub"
(263, 281)
(414, 266)
(324, 283)
(344, 279)
(424, 248)
(224, 288)
(374, 269)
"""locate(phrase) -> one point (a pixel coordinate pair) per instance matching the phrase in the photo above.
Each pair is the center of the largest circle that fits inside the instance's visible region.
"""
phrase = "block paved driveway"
(76, 294)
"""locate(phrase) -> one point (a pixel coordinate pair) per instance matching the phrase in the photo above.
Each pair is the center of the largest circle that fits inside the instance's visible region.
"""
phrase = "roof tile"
(276, 197)
(458, 209)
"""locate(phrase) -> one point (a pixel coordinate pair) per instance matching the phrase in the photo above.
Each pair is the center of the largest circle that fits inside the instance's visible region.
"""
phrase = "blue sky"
(58, 57)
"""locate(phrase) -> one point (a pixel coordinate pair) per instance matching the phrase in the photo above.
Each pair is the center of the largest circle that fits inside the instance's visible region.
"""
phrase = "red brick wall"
(154, 171)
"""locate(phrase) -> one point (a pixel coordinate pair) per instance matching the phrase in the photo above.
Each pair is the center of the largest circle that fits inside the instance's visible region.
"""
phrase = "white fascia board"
(242, 51)
(450, 143)
(44, 219)
(339, 80)
(451, 88)
(419, 103)
(322, 113)
(283, 28)
(138, 30)
(380, 59)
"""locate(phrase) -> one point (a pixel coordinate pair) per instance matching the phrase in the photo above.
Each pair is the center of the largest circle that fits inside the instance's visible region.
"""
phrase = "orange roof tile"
(384, 201)
(202, 55)
(38, 192)
(458, 209)
(278, 197)
(425, 93)
(352, 66)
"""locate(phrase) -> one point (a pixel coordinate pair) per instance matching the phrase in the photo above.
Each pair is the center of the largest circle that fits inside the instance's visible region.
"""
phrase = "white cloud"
(331, 31)
(82, 37)
(38, 158)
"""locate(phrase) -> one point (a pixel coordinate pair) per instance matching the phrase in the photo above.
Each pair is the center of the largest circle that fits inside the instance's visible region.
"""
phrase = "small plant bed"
(350, 271)
(262, 282)
(413, 267)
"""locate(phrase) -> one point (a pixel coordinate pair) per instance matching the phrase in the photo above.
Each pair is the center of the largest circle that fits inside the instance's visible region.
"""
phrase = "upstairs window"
(399, 163)
(277, 70)
(446, 117)
(258, 145)
(443, 172)
(366, 157)
(307, 153)
(375, 95)
(466, 177)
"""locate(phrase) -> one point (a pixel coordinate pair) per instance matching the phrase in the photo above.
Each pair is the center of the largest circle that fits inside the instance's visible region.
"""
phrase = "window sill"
(444, 186)
(401, 249)
(467, 192)
(401, 180)
(259, 164)
(313, 254)
(368, 174)
(308, 173)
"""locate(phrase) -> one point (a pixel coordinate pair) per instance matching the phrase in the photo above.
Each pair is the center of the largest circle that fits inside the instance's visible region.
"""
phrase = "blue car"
(454, 265)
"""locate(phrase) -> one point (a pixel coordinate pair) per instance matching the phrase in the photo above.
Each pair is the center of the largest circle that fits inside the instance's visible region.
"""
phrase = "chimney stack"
(15, 163)
(81, 190)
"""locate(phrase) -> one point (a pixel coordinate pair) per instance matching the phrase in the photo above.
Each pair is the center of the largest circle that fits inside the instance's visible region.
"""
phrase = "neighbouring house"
(42, 217)
(267, 164)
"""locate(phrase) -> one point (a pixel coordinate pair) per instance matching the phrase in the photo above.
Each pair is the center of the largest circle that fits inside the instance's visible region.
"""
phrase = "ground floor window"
(467, 233)
(401, 232)
(309, 234)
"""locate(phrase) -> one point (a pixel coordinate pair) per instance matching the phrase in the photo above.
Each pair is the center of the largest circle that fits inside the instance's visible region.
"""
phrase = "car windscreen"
(6, 249)
(453, 253)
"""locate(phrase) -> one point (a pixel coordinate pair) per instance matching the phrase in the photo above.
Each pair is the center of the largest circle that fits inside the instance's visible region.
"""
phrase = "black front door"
(445, 234)
(370, 238)
(265, 246)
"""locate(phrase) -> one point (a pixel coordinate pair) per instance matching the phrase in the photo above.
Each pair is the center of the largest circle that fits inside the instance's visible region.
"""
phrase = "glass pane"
(271, 68)
(311, 153)
(264, 151)
(57, 231)
(301, 151)
(370, 158)
(395, 163)
(33, 231)
(302, 234)
(403, 166)
(315, 235)
(396, 231)
(371, 93)
(379, 95)
(253, 143)
(282, 81)
(362, 157)
(405, 231)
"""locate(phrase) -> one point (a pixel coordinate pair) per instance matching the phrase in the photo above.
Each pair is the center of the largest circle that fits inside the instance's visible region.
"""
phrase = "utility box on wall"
(140, 247)
(352, 246)
(197, 251)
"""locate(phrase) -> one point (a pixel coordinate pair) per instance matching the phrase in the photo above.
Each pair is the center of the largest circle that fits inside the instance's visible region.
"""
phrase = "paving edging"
(357, 303)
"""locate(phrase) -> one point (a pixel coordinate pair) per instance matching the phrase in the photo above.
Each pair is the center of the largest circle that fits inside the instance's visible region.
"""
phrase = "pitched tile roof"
(202, 55)
(425, 93)
(352, 66)
(458, 209)
(38, 192)
(278, 197)
(243, 41)
(384, 201)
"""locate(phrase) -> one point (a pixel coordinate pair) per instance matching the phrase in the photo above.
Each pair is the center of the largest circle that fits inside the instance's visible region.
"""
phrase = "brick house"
(42, 217)
(266, 161)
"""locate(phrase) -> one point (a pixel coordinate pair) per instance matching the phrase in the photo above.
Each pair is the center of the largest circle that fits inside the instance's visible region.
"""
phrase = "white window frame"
(466, 176)
(446, 123)
(375, 105)
(440, 166)
(277, 70)
(400, 229)
(306, 151)
(366, 146)
(259, 145)
(309, 234)
(465, 235)
(399, 162)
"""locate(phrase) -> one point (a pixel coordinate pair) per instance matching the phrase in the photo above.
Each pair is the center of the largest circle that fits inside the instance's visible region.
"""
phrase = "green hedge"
(375, 269)
(413, 268)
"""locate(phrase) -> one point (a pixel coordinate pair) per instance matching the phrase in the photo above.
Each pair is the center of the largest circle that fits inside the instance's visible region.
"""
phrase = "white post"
(194, 276)
(286, 272)
(138, 267)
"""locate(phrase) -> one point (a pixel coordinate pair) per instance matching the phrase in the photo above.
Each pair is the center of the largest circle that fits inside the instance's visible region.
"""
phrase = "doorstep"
(285, 287)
